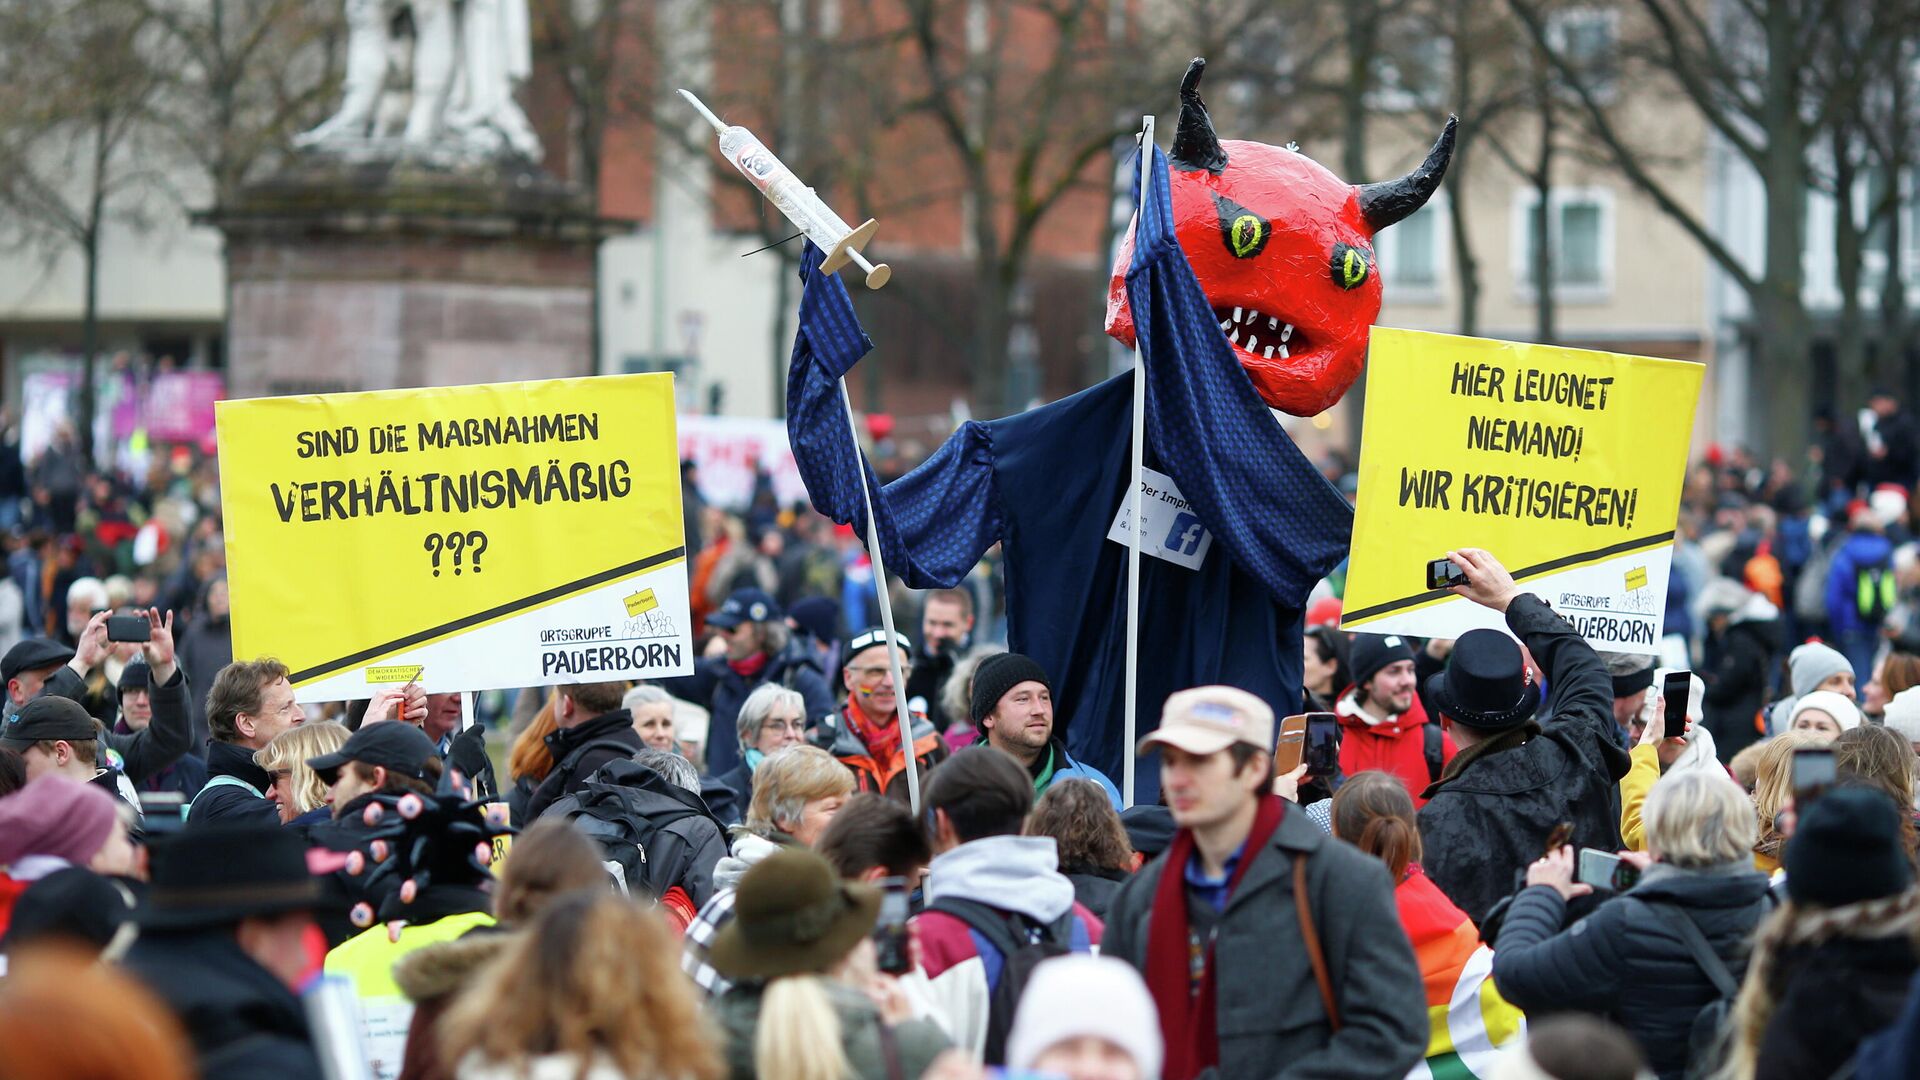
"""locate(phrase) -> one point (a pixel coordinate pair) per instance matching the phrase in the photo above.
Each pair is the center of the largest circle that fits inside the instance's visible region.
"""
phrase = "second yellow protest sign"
(467, 537)
(1566, 464)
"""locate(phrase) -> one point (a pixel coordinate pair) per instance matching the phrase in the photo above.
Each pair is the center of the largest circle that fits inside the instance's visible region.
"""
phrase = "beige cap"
(1208, 719)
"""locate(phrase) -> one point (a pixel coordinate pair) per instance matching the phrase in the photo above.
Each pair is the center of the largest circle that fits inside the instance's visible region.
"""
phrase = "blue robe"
(1047, 484)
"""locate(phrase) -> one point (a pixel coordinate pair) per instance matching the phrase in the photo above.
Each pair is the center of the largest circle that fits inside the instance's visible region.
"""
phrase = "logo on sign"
(1185, 535)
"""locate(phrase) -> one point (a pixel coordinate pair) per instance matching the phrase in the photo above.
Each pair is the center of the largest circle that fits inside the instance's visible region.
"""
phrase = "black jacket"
(205, 648)
(575, 758)
(1738, 662)
(1627, 961)
(1095, 887)
(1271, 1020)
(154, 747)
(243, 1022)
(1490, 813)
(1830, 997)
(739, 785)
(229, 802)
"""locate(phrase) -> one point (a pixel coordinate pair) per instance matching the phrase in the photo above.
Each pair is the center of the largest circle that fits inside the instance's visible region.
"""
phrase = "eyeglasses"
(795, 725)
(872, 674)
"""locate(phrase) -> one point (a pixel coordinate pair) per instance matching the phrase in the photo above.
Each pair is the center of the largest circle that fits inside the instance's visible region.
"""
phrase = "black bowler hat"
(47, 718)
(1485, 684)
(32, 654)
(210, 875)
(393, 745)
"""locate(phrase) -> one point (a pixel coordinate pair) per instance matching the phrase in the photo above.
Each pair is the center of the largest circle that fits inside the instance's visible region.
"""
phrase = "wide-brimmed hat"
(792, 915)
(210, 875)
(1485, 683)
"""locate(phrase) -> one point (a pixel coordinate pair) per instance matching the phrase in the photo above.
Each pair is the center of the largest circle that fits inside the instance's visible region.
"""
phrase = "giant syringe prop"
(794, 199)
(840, 244)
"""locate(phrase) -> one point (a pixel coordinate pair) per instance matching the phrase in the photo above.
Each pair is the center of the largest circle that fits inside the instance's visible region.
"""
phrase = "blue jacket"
(1047, 484)
(1859, 551)
(1070, 769)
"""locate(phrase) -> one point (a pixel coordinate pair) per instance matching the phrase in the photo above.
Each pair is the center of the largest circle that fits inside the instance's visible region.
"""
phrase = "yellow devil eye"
(1248, 236)
(1244, 232)
(1350, 266)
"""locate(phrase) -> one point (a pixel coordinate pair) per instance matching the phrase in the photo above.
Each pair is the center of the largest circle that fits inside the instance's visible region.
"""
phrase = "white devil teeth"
(1236, 314)
(1269, 353)
(1274, 323)
(1252, 343)
(1235, 336)
(1283, 352)
(1226, 325)
(1287, 334)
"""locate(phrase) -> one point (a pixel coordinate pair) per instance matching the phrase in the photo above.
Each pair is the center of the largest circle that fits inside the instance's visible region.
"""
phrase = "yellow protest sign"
(1567, 464)
(469, 537)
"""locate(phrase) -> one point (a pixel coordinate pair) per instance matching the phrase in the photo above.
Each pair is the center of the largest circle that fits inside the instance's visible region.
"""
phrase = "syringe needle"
(704, 111)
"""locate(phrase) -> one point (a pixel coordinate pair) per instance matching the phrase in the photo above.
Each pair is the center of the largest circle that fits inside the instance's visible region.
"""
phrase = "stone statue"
(449, 95)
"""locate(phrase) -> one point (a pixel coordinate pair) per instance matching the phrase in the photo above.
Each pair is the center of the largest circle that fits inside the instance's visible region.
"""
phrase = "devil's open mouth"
(1257, 333)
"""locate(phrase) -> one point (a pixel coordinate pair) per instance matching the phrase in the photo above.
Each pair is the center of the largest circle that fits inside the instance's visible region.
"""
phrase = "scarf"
(1187, 1017)
(751, 667)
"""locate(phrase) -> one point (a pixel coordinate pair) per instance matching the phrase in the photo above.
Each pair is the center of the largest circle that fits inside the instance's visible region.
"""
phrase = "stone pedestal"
(347, 276)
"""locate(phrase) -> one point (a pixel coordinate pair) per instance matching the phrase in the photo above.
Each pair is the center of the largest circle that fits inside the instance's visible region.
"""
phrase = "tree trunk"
(993, 302)
(1362, 36)
(1544, 330)
(1850, 346)
(1781, 349)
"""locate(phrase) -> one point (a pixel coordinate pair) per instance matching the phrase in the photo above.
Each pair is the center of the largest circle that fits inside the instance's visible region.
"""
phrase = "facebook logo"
(1186, 534)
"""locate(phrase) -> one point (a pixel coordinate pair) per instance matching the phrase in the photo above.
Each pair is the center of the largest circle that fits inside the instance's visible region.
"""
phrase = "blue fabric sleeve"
(1277, 516)
(936, 521)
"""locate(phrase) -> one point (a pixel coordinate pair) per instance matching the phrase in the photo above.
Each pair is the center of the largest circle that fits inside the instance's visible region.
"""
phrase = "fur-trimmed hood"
(438, 970)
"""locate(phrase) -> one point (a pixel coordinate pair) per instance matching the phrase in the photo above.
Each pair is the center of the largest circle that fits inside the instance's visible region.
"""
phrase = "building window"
(1580, 231)
(1413, 253)
(1588, 38)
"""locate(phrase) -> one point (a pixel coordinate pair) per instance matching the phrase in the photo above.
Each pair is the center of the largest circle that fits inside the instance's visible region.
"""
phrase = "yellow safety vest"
(368, 957)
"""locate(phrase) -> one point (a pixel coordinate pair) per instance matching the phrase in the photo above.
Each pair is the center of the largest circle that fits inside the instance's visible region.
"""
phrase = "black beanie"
(1847, 849)
(998, 674)
(1371, 652)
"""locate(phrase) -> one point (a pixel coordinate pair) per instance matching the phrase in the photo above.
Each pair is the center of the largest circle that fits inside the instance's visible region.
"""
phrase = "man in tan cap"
(1256, 924)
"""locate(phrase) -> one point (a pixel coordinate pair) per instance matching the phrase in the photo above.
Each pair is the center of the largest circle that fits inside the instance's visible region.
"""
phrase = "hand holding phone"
(129, 628)
(1605, 870)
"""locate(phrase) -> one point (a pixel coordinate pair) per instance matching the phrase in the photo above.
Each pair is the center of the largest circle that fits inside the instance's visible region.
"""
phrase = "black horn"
(1195, 146)
(1391, 201)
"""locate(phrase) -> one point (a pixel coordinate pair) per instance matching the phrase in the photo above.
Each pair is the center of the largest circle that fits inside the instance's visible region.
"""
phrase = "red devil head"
(1284, 250)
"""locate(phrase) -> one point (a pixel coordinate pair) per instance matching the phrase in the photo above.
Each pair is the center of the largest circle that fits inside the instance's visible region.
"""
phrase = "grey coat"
(1272, 1023)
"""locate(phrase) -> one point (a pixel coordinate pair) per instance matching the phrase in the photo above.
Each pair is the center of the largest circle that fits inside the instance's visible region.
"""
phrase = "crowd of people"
(1508, 867)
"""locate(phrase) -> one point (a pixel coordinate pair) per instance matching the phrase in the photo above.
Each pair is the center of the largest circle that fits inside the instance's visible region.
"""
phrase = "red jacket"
(1397, 746)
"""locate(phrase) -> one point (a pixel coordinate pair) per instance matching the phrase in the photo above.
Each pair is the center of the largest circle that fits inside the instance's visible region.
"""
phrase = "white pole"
(1133, 492)
(886, 614)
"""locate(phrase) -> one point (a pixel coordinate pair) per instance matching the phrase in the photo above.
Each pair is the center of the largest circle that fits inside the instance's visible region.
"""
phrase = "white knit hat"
(1903, 713)
(1072, 996)
(1841, 708)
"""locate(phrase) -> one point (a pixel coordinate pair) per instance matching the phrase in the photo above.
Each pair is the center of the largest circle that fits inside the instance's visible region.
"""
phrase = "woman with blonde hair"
(297, 790)
(1832, 965)
(807, 1002)
(1772, 789)
(591, 991)
(796, 792)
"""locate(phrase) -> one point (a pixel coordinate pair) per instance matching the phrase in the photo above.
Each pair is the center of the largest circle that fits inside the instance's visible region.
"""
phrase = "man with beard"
(1383, 725)
(1013, 708)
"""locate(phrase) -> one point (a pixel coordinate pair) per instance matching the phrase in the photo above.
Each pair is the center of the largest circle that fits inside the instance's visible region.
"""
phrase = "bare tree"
(1744, 68)
(73, 108)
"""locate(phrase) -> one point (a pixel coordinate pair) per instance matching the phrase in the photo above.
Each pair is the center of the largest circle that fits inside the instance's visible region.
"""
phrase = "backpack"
(1707, 1043)
(611, 816)
(1022, 945)
(1874, 592)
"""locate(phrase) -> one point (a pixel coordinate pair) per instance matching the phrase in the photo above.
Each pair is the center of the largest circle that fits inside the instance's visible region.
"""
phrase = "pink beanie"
(55, 816)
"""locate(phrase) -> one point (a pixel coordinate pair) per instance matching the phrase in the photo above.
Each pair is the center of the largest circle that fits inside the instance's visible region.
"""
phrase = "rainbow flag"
(1470, 1021)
